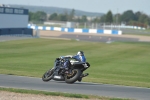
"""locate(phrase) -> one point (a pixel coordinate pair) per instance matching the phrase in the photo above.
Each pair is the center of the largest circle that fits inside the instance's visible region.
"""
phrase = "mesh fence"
(86, 25)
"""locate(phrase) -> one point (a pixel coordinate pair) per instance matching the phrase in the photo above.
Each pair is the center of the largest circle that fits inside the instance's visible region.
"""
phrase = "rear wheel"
(73, 77)
(48, 75)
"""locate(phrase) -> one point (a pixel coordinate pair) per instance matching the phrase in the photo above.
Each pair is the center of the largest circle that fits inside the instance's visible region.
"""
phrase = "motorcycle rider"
(80, 57)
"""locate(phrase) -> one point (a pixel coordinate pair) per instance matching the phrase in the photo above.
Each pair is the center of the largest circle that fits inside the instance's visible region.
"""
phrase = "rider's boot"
(83, 75)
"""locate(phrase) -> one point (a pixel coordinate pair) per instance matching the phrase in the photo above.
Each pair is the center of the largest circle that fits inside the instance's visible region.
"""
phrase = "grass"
(121, 63)
(58, 94)
(138, 32)
(143, 34)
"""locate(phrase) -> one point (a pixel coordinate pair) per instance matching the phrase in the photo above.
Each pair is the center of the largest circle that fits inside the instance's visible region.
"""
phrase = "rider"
(79, 57)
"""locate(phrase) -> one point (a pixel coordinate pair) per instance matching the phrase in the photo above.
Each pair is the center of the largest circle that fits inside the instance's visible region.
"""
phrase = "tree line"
(128, 17)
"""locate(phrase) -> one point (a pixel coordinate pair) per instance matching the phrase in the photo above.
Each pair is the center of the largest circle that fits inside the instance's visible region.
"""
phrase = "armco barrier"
(76, 30)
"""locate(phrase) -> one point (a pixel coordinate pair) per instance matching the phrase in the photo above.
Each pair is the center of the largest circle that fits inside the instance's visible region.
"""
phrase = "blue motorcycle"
(73, 73)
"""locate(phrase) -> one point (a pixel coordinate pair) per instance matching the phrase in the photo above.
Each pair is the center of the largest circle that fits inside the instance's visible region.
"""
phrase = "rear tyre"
(76, 73)
(48, 75)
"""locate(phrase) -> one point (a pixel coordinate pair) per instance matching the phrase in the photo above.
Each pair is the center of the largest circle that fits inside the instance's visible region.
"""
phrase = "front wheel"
(73, 77)
(48, 75)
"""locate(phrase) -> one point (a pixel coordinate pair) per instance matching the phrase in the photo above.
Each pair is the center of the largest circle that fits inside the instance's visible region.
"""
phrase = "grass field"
(122, 63)
(136, 32)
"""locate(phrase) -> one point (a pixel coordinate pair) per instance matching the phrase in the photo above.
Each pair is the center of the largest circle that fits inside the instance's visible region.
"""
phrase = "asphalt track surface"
(81, 37)
(94, 38)
(21, 82)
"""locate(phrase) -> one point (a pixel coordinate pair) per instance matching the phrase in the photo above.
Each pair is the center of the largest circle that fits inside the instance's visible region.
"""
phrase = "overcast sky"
(101, 6)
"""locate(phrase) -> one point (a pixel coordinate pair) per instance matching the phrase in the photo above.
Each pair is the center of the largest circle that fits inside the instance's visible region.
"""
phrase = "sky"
(100, 6)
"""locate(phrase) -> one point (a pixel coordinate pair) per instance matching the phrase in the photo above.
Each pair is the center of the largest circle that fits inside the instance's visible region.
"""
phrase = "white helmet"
(80, 53)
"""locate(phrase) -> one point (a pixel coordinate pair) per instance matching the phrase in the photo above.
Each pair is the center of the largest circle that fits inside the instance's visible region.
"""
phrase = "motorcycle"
(73, 74)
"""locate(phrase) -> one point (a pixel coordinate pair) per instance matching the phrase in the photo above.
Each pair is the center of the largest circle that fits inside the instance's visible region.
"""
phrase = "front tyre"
(73, 77)
(48, 75)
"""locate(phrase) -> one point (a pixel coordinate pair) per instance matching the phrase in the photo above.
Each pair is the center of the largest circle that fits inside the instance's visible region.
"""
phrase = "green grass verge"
(122, 63)
(58, 94)
(141, 33)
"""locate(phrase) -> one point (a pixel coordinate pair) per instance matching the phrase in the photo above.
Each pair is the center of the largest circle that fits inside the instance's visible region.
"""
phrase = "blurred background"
(123, 15)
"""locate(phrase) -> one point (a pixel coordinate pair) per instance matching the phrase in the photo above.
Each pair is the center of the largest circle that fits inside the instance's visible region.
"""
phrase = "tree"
(31, 16)
(109, 17)
(137, 15)
(71, 16)
(102, 18)
(37, 16)
(66, 14)
(53, 16)
(77, 20)
(144, 19)
(83, 18)
(117, 18)
(96, 20)
(62, 17)
(128, 16)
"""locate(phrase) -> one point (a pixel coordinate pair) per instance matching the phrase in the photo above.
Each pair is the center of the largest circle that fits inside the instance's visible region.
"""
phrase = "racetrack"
(94, 37)
(79, 88)
(82, 37)
(83, 88)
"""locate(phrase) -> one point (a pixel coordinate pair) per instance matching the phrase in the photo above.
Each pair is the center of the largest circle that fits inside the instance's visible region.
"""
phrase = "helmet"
(80, 53)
